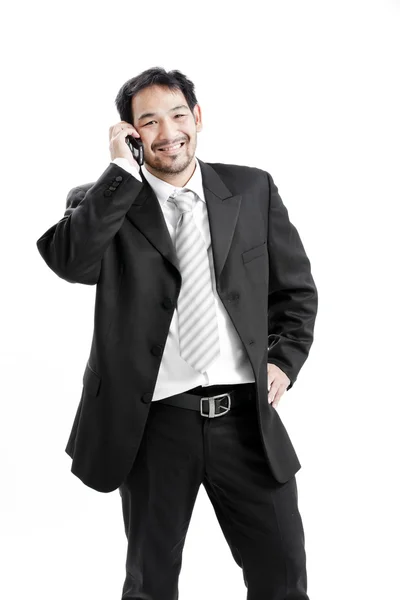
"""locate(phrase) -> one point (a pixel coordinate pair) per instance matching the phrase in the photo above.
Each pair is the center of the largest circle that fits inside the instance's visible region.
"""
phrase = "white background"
(305, 90)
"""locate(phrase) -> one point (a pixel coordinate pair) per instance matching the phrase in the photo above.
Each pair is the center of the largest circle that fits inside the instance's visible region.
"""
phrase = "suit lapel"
(223, 210)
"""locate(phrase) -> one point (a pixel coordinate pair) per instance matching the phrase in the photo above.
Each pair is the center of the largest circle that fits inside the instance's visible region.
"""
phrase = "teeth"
(172, 147)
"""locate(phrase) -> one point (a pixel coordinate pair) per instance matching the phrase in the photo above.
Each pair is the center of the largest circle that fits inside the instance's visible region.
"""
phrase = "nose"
(168, 135)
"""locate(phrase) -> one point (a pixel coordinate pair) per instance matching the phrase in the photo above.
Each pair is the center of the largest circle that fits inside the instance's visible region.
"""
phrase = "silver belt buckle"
(211, 414)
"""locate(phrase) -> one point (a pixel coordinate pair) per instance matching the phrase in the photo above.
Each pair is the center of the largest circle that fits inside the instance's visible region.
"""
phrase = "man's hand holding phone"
(118, 146)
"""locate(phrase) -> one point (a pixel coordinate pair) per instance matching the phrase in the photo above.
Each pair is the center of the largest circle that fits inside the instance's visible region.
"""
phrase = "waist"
(240, 395)
(213, 390)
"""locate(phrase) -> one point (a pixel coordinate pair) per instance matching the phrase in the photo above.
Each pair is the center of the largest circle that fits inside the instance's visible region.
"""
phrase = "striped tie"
(197, 317)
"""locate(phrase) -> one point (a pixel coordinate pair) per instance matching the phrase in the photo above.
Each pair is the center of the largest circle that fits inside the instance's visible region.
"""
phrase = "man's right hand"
(118, 146)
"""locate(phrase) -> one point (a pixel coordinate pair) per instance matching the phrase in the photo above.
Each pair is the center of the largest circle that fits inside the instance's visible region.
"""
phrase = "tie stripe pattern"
(197, 317)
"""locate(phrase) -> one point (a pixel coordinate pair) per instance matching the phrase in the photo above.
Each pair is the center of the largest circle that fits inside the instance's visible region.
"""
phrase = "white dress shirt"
(175, 374)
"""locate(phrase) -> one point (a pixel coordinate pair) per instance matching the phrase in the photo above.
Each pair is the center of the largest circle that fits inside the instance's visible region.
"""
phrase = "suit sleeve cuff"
(125, 164)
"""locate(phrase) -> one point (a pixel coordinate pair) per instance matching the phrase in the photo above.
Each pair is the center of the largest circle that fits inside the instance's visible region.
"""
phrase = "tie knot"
(184, 200)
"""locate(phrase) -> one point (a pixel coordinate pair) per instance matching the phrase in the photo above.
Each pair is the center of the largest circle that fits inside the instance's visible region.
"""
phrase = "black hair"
(174, 80)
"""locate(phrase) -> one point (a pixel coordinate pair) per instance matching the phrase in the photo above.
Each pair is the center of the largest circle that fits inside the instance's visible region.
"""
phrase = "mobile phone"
(136, 147)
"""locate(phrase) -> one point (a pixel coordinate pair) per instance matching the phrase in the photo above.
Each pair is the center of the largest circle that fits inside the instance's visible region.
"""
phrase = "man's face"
(168, 126)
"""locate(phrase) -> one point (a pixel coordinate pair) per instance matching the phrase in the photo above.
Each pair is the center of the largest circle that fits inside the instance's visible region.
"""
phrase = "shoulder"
(241, 175)
(226, 168)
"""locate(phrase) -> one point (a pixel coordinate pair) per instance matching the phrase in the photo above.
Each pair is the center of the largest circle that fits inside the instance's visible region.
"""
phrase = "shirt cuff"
(125, 164)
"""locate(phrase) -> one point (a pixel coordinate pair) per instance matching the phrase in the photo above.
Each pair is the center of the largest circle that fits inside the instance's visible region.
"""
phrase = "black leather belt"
(212, 401)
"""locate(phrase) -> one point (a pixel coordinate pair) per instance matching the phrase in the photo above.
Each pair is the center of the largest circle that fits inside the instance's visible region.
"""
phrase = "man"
(204, 315)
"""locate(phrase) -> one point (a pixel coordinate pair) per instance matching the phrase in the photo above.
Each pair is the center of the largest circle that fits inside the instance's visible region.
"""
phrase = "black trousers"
(259, 517)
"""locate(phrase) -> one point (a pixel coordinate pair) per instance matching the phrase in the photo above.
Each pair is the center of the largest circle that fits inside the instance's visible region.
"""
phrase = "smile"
(172, 149)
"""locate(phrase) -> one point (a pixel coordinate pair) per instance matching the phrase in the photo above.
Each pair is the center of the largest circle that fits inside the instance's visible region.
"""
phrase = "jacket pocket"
(91, 381)
(254, 252)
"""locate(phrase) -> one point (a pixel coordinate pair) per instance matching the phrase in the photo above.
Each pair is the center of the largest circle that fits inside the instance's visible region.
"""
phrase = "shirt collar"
(163, 189)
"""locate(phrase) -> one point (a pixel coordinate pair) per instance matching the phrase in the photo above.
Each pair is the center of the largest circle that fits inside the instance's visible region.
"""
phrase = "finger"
(115, 130)
(279, 394)
(277, 398)
(272, 392)
(125, 125)
(123, 133)
(127, 131)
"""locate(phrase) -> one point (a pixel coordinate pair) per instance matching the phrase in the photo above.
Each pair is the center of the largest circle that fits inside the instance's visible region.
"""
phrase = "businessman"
(204, 315)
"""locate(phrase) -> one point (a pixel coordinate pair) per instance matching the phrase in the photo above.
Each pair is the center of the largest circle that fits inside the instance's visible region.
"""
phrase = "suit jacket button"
(168, 303)
(119, 178)
(107, 193)
(147, 397)
(157, 350)
(233, 296)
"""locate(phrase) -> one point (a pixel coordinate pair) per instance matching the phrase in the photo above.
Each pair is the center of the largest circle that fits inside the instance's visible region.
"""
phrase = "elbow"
(70, 271)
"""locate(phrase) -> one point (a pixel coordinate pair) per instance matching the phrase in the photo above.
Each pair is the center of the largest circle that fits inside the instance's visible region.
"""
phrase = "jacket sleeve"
(73, 248)
(292, 294)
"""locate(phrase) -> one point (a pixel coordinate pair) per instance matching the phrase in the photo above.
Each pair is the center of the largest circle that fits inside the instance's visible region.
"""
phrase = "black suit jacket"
(113, 235)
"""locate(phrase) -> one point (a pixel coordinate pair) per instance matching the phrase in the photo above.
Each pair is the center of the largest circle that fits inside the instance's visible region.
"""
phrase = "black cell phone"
(136, 147)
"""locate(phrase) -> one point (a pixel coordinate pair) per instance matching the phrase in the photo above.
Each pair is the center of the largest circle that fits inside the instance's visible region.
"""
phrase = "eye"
(154, 121)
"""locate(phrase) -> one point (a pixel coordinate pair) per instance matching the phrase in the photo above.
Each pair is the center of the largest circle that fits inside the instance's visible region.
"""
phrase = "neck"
(175, 179)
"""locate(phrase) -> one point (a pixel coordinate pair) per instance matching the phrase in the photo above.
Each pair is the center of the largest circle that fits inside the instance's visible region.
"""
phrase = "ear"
(198, 118)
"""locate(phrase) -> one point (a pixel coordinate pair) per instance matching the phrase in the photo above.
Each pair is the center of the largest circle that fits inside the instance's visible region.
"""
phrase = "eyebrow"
(152, 114)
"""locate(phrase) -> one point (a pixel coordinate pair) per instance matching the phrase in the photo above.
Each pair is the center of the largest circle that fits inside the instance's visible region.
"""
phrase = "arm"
(125, 164)
(74, 247)
(292, 295)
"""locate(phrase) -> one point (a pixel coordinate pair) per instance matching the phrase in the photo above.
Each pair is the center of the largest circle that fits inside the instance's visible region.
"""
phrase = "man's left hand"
(278, 381)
